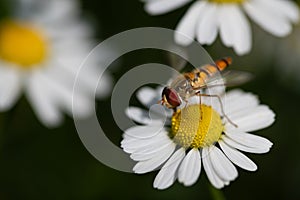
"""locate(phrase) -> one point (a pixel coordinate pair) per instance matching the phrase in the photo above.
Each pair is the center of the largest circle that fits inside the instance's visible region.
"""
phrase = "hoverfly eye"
(165, 92)
(172, 97)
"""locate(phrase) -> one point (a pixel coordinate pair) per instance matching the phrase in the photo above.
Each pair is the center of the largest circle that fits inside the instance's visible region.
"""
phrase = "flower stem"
(215, 193)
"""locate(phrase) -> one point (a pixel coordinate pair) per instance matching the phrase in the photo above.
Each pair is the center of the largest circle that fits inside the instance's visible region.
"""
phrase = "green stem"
(215, 193)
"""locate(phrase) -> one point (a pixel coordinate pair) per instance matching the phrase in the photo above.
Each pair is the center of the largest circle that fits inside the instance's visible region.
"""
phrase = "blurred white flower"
(41, 48)
(206, 18)
(191, 140)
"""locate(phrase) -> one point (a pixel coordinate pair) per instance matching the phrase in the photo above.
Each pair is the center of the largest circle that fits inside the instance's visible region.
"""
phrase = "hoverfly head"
(170, 98)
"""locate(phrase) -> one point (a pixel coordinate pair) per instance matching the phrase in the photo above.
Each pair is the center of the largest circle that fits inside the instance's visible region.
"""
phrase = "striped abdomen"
(200, 76)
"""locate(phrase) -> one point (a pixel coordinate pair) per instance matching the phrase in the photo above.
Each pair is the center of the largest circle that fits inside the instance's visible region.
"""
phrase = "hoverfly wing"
(229, 78)
(235, 77)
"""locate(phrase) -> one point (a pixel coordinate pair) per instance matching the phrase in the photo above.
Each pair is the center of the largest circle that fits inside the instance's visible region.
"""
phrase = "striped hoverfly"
(192, 83)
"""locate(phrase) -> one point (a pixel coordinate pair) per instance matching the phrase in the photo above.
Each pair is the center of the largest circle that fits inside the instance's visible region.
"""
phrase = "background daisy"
(41, 48)
(206, 18)
(191, 142)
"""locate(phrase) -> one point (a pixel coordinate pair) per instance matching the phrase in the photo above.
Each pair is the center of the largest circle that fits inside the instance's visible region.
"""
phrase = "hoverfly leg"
(200, 102)
(221, 104)
(186, 103)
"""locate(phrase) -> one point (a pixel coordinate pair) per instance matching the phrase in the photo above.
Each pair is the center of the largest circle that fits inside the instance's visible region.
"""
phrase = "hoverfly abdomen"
(223, 63)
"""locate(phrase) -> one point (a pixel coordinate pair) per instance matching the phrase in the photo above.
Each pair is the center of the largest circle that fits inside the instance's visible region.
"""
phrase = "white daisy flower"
(206, 18)
(41, 48)
(191, 141)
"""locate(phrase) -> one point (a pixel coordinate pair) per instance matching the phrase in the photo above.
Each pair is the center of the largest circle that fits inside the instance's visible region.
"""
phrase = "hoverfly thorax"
(170, 98)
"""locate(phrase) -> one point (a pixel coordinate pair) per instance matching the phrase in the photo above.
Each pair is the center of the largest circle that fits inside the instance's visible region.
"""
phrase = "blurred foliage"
(37, 163)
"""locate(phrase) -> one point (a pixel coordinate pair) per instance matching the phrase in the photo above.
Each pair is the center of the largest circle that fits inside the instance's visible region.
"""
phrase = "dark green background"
(37, 163)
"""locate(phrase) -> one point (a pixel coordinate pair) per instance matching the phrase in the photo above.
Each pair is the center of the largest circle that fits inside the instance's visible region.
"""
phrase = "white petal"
(158, 7)
(282, 8)
(190, 168)
(207, 28)
(242, 38)
(88, 77)
(242, 147)
(154, 162)
(139, 115)
(268, 20)
(10, 87)
(132, 144)
(186, 29)
(223, 167)
(289, 9)
(237, 157)
(260, 117)
(235, 29)
(210, 172)
(155, 152)
(225, 21)
(142, 116)
(239, 103)
(249, 140)
(42, 104)
(56, 10)
(148, 96)
(105, 86)
(62, 93)
(167, 175)
(144, 146)
(142, 132)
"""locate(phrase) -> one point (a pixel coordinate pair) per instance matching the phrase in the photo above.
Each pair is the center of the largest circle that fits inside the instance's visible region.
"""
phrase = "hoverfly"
(192, 83)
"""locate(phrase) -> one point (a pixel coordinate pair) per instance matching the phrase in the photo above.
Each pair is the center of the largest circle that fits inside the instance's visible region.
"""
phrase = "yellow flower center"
(227, 1)
(21, 44)
(191, 129)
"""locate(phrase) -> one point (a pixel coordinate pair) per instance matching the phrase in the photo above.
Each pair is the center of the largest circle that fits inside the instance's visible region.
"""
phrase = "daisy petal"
(259, 118)
(224, 168)
(210, 172)
(186, 29)
(237, 157)
(190, 168)
(235, 29)
(238, 103)
(153, 163)
(249, 140)
(283, 8)
(10, 87)
(290, 9)
(225, 21)
(139, 115)
(158, 7)
(268, 20)
(155, 152)
(132, 144)
(62, 93)
(242, 147)
(42, 104)
(142, 132)
(148, 96)
(167, 175)
(242, 37)
(207, 28)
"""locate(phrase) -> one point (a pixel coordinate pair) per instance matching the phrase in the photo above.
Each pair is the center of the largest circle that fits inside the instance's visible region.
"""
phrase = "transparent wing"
(229, 78)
